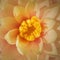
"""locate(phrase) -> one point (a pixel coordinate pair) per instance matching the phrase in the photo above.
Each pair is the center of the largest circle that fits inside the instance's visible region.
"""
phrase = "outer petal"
(11, 36)
(21, 45)
(7, 23)
(6, 9)
(58, 28)
(49, 23)
(51, 36)
(19, 13)
(27, 48)
(53, 51)
(51, 13)
(41, 46)
(22, 2)
(58, 17)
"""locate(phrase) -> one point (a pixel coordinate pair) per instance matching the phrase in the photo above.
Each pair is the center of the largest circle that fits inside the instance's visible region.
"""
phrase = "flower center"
(30, 29)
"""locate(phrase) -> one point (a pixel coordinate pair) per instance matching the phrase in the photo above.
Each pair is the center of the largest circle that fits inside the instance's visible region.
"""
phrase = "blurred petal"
(51, 36)
(11, 36)
(54, 50)
(41, 46)
(6, 10)
(51, 13)
(29, 8)
(6, 24)
(58, 28)
(21, 45)
(49, 24)
(41, 8)
(32, 57)
(22, 2)
(19, 13)
(46, 46)
(58, 17)
(25, 47)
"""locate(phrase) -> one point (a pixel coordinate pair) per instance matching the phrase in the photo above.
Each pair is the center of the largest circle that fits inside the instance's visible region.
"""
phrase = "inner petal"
(30, 29)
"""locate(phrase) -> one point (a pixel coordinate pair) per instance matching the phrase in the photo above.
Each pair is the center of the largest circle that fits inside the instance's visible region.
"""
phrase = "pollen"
(30, 29)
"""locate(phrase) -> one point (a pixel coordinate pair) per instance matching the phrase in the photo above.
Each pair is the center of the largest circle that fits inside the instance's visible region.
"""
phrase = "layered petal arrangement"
(30, 30)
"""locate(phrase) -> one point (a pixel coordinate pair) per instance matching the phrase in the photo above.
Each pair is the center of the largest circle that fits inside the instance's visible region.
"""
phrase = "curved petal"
(54, 50)
(41, 46)
(29, 8)
(11, 36)
(27, 48)
(49, 23)
(51, 36)
(6, 24)
(21, 45)
(51, 13)
(19, 13)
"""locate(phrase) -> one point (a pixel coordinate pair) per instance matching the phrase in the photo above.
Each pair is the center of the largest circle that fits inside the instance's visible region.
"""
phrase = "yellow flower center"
(30, 29)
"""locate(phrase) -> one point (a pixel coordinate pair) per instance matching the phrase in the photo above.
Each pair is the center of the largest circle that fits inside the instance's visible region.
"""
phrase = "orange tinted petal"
(6, 10)
(6, 24)
(11, 36)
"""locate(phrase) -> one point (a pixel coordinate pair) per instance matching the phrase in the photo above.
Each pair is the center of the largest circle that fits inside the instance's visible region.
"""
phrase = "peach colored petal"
(58, 17)
(19, 13)
(51, 13)
(42, 8)
(6, 24)
(53, 51)
(22, 2)
(6, 9)
(51, 36)
(58, 28)
(11, 36)
(49, 23)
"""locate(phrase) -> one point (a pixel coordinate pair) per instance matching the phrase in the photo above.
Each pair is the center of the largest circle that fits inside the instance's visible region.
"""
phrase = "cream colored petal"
(11, 36)
(27, 48)
(6, 24)
(21, 45)
(29, 8)
(51, 13)
(41, 46)
(19, 13)
(49, 23)
(54, 50)
(51, 36)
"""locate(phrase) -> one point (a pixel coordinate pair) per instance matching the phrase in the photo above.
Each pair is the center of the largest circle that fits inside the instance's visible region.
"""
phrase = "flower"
(30, 30)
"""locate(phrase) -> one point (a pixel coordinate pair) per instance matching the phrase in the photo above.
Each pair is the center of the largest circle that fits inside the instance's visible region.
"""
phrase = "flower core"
(30, 29)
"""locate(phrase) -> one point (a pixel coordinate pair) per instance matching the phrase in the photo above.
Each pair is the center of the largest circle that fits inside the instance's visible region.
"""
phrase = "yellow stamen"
(30, 29)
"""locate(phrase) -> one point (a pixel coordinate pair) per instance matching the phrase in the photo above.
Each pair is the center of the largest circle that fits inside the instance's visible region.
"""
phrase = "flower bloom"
(30, 30)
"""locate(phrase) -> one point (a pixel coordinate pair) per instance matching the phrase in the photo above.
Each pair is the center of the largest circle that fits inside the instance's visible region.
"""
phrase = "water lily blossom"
(32, 31)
